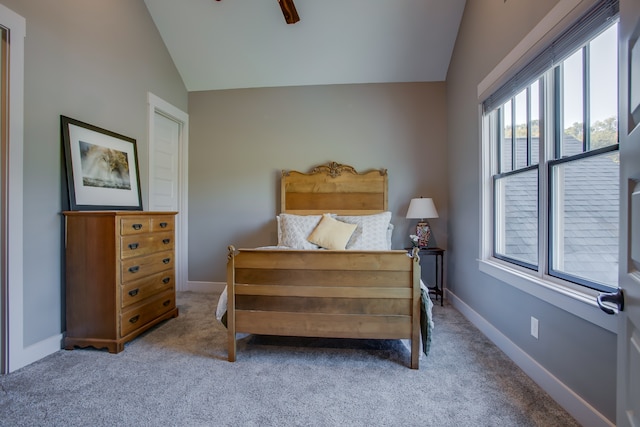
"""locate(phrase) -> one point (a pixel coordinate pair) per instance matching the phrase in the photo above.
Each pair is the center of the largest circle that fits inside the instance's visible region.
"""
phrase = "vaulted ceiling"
(247, 43)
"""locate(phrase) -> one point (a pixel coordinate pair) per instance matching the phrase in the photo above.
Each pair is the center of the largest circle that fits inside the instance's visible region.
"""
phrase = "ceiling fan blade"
(289, 11)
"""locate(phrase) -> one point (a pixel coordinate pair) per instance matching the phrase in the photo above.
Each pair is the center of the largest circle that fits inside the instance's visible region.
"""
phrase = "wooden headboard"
(334, 188)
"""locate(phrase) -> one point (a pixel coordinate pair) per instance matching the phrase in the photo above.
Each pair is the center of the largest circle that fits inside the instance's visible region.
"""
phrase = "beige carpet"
(177, 375)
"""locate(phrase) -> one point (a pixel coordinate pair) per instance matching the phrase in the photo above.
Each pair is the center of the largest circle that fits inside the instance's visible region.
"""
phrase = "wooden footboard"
(336, 294)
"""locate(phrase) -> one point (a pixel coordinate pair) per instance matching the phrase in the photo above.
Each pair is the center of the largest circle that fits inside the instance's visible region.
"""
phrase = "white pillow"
(371, 233)
(295, 229)
(389, 235)
(332, 234)
(279, 230)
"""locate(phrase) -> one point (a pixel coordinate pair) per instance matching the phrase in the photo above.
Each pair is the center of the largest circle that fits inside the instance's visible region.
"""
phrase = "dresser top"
(116, 213)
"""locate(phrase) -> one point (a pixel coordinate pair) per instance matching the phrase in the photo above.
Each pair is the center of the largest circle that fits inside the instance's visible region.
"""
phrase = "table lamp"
(422, 209)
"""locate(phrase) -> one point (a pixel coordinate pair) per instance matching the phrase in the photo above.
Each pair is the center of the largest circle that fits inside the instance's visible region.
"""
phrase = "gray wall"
(580, 354)
(240, 140)
(93, 61)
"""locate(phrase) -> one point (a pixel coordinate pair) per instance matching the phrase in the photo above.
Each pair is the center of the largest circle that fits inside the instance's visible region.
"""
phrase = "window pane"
(505, 143)
(516, 217)
(573, 99)
(521, 130)
(535, 122)
(585, 201)
(603, 88)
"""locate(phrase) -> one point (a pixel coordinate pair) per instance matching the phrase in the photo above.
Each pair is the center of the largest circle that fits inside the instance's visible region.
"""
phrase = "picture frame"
(101, 168)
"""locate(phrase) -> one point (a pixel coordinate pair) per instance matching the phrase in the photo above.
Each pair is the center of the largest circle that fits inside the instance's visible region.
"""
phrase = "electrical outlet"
(534, 327)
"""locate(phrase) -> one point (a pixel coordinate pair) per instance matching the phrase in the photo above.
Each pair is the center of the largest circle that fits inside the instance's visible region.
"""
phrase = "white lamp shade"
(422, 208)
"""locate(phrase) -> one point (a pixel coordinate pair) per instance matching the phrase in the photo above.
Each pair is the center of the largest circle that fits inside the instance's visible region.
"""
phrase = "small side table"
(437, 288)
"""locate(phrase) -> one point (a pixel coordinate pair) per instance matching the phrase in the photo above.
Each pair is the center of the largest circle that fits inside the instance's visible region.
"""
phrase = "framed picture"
(102, 168)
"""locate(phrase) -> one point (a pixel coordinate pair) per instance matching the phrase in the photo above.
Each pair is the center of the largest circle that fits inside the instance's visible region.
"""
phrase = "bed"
(313, 286)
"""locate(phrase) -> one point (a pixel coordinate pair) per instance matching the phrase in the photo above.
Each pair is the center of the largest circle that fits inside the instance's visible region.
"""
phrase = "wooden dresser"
(120, 275)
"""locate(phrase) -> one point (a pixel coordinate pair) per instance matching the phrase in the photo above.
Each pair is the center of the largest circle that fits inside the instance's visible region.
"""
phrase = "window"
(553, 138)
(516, 181)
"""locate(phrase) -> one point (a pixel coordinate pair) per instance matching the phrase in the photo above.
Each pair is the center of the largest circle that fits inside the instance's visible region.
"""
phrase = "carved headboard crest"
(335, 169)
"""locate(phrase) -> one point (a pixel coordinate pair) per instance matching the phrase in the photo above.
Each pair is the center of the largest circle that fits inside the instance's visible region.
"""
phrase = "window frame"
(498, 133)
(551, 156)
(573, 298)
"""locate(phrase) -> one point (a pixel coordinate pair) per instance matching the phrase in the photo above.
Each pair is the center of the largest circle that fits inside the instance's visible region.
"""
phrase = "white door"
(168, 167)
(628, 298)
(163, 164)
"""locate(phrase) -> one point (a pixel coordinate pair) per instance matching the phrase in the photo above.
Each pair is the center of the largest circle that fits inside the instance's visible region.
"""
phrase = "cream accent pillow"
(332, 234)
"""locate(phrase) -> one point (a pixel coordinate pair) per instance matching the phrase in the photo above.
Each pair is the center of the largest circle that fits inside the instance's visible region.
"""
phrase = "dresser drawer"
(143, 244)
(139, 290)
(134, 225)
(137, 317)
(143, 266)
(162, 223)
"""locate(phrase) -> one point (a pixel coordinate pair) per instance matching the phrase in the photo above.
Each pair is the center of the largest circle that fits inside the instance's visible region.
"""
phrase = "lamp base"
(423, 231)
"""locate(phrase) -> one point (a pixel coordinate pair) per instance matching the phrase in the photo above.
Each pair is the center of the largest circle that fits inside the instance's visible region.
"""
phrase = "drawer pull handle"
(166, 241)
(133, 246)
(137, 226)
(134, 292)
(166, 280)
(166, 303)
(134, 319)
(166, 260)
(134, 269)
(163, 225)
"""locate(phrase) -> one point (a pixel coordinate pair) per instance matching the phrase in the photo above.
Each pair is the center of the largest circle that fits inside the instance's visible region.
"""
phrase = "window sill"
(579, 303)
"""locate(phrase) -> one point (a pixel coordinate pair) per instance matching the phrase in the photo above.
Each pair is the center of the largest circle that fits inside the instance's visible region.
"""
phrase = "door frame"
(628, 366)
(158, 105)
(14, 354)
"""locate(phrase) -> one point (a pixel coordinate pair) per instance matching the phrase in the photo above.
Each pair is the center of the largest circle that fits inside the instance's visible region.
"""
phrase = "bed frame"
(323, 293)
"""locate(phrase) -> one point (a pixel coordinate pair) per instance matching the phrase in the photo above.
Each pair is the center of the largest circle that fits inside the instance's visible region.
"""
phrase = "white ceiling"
(247, 43)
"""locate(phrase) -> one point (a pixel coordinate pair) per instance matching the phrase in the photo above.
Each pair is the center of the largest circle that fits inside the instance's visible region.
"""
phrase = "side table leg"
(439, 280)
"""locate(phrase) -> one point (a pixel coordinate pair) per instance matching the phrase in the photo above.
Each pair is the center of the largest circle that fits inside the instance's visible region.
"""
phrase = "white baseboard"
(582, 411)
(205, 287)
